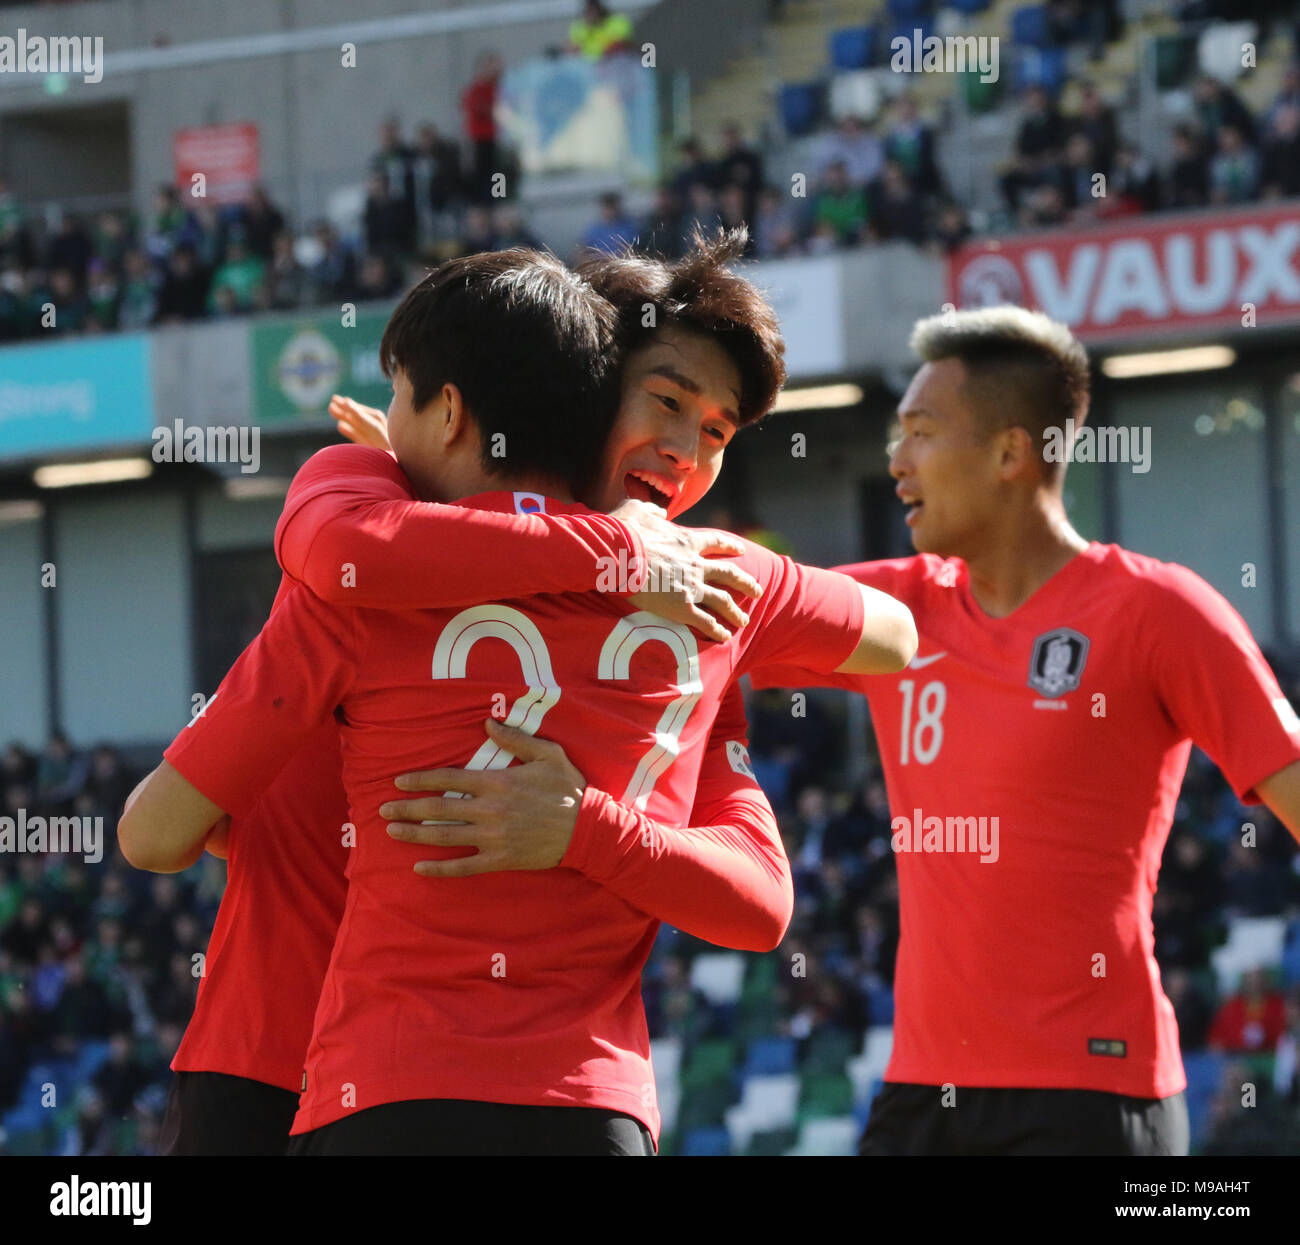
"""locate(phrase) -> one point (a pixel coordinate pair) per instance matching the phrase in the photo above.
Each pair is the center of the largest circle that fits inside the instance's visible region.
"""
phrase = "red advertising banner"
(228, 156)
(1145, 277)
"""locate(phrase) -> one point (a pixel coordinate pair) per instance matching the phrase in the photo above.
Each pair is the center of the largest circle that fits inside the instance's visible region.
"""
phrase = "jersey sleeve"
(1216, 685)
(352, 532)
(283, 686)
(807, 617)
(725, 878)
(768, 668)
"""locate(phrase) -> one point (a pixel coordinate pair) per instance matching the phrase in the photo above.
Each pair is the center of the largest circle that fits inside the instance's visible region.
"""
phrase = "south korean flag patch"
(1057, 662)
(738, 756)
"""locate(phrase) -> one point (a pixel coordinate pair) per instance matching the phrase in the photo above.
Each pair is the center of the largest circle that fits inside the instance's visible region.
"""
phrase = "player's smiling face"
(947, 472)
(678, 412)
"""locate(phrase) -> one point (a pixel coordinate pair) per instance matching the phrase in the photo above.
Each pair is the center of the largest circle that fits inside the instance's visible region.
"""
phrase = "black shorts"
(442, 1127)
(211, 1113)
(922, 1119)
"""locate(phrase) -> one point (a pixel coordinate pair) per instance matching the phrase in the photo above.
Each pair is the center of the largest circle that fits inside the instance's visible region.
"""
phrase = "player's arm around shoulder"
(889, 639)
(166, 822)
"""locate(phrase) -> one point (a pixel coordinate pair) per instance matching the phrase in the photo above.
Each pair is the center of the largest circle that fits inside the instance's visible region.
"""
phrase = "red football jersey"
(510, 987)
(1032, 764)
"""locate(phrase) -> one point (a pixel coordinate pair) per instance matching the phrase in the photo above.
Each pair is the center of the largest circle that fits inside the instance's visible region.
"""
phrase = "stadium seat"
(766, 1102)
(1291, 955)
(707, 1143)
(880, 1005)
(1253, 942)
(825, 1094)
(770, 1056)
(908, 10)
(828, 1051)
(1046, 68)
(772, 1143)
(705, 1106)
(800, 105)
(836, 1136)
(709, 1063)
(856, 94)
(1029, 27)
(969, 7)
(1204, 1072)
(853, 47)
(719, 977)
(670, 1101)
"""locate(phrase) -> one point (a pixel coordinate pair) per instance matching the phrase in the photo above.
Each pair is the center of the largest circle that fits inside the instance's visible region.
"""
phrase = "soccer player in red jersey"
(1033, 753)
(815, 629)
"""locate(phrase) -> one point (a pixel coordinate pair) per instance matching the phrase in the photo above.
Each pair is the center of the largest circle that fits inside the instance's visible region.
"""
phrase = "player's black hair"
(532, 349)
(699, 293)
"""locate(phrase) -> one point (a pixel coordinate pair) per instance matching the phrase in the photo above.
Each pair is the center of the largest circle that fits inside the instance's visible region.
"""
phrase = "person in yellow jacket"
(600, 32)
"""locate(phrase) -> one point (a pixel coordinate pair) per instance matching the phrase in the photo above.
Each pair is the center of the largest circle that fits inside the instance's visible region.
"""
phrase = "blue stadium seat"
(1046, 69)
(853, 48)
(969, 6)
(1204, 1072)
(800, 107)
(771, 1056)
(880, 1005)
(707, 1143)
(1291, 956)
(908, 10)
(1029, 27)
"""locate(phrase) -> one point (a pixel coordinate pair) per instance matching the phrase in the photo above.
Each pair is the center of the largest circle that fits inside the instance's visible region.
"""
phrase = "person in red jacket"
(1251, 1020)
(478, 102)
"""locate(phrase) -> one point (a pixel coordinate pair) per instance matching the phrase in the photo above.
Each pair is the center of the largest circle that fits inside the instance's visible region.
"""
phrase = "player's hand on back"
(686, 576)
(366, 425)
(521, 817)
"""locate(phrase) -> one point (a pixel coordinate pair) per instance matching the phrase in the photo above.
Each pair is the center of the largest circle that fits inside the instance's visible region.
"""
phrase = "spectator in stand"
(702, 214)
(840, 207)
(393, 162)
(112, 240)
(731, 209)
(910, 142)
(478, 104)
(1076, 178)
(896, 209)
(1187, 184)
(951, 228)
(1218, 105)
(121, 1077)
(1251, 888)
(1280, 161)
(600, 32)
(71, 310)
(480, 230)
(1044, 207)
(15, 245)
(262, 222)
(1251, 1020)
(69, 248)
(138, 307)
(695, 170)
(1288, 95)
(613, 229)
(377, 279)
(1096, 121)
(60, 774)
(740, 166)
(103, 293)
(512, 230)
(287, 281)
(1134, 185)
(244, 275)
(386, 224)
(777, 225)
(853, 145)
(1234, 169)
(662, 232)
(1193, 1009)
(1286, 1069)
(173, 225)
(331, 273)
(436, 179)
(1039, 143)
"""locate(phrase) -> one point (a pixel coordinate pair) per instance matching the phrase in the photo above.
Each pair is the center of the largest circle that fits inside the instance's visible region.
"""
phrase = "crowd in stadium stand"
(99, 967)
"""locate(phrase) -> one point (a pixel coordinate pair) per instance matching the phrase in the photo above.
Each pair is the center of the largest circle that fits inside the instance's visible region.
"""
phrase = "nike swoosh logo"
(920, 663)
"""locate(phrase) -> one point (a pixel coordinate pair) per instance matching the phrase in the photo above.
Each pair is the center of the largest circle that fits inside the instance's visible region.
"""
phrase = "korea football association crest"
(1056, 665)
